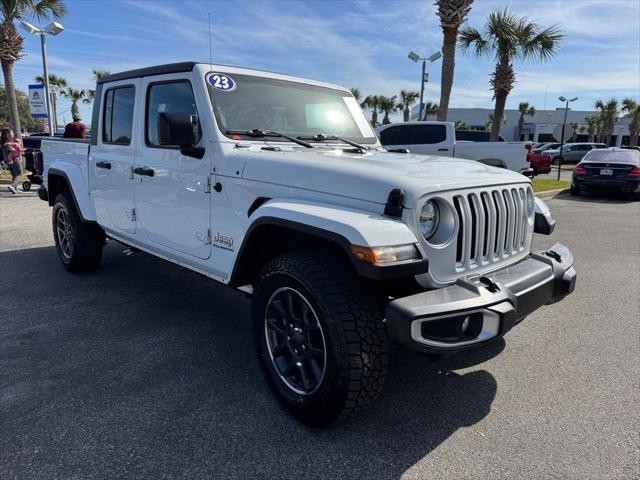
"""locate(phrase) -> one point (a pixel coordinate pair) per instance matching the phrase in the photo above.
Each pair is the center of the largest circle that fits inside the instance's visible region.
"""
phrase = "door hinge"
(131, 214)
(207, 187)
(208, 240)
(204, 237)
(131, 175)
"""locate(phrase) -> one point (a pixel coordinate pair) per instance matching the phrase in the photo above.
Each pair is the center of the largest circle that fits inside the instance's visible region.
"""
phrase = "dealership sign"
(37, 104)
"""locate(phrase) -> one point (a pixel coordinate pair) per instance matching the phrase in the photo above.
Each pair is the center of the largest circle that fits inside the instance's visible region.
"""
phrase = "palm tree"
(489, 123)
(525, 109)
(574, 126)
(632, 109)
(609, 115)
(56, 84)
(430, 109)
(452, 14)
(387, 105)
(97, 76)
(460, 125)
(506, 38)
(407, 99)
(76, 95)
(372, 102)
(11, 42)
(594, 124)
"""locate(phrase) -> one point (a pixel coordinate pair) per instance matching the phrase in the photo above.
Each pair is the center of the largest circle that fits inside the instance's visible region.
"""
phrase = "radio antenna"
(210, 54)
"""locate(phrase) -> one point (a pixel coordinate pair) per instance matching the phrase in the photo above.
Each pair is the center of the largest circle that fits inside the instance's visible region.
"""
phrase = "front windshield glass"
(245, 102)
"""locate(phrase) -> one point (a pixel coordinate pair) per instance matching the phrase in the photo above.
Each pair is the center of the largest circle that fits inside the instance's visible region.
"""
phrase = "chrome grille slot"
(492, 226)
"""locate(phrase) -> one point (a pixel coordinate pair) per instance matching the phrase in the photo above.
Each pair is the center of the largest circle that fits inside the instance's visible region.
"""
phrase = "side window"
(172, 97)
(426, 134)
(394, 136)
(117, 121)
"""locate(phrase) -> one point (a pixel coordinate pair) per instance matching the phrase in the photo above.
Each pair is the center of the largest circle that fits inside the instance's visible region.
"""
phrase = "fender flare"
(77, 187)
(339, 225)
(493, 162)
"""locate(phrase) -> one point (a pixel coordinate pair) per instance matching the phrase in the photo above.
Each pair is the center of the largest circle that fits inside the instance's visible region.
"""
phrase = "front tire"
(320, 337)
(79, 244)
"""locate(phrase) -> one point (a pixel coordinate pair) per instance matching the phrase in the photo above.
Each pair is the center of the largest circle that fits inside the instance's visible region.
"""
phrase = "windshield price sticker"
(223, 82)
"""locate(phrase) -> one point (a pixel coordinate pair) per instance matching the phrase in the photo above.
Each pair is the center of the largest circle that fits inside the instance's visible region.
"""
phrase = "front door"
(111, 158)
(173, 203)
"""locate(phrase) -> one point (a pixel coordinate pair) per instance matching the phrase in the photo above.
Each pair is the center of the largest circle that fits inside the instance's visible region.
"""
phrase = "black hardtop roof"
(172, 68)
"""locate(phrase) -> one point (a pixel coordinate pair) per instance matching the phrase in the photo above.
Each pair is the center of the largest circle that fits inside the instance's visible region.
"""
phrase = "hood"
(371, 176)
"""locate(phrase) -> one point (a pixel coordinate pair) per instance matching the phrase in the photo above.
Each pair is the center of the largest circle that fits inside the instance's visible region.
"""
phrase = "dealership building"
(537, 128)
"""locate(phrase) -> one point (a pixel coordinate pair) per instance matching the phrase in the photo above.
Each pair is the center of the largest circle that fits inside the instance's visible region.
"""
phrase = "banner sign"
(37, 103)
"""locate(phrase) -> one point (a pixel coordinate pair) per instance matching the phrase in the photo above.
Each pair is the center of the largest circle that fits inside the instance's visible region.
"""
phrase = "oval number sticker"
(223, 82)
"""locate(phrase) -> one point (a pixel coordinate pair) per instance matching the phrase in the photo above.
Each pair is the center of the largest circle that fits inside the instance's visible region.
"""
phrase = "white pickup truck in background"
(439, 138)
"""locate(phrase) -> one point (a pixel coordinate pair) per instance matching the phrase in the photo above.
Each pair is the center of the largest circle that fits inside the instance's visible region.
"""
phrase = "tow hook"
(555, 255)
(489, 284)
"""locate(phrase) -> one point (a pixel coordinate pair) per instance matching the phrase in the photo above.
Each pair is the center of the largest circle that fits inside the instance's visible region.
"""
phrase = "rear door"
(173, 203)
(428, 139)
(111, 158)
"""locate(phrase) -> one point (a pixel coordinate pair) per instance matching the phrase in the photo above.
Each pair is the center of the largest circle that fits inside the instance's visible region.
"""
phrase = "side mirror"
(180, 129)
(544, 223)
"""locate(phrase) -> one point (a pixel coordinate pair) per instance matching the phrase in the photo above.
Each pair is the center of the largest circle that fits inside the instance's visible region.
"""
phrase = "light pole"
(564, 123)
(425, 76)
(54, 28)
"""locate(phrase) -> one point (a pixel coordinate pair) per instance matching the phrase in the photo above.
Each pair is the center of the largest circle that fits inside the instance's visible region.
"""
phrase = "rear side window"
(172, 97)
(394, 136)
(426, 134)
(117, 122)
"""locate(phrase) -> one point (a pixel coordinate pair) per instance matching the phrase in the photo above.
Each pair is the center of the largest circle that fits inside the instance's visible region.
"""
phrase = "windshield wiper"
(321, 137)
(267, 133)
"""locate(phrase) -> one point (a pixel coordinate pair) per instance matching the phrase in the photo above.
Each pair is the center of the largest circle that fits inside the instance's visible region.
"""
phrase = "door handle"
(443, 149)
(146, 171)
(106, 165)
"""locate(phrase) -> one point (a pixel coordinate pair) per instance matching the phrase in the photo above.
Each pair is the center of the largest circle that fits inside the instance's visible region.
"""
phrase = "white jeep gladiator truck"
(439, 138)
(277, 185)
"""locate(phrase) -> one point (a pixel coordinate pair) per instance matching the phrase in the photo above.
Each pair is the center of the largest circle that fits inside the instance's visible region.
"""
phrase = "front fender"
(358, 227)
(77, 185)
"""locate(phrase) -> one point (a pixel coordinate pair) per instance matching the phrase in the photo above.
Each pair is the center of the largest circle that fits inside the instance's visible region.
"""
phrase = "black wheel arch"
(58, 182)
(271, 236)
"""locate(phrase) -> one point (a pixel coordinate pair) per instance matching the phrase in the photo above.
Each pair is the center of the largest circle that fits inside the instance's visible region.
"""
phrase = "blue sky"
(360, 44)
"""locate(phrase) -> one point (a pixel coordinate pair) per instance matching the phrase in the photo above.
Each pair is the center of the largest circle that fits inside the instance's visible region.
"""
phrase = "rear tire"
(26, 186)
(296, 291)
(79, 244)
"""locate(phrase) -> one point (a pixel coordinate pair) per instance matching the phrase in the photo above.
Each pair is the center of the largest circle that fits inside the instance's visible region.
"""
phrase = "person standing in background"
(12, 151)
(75, 129)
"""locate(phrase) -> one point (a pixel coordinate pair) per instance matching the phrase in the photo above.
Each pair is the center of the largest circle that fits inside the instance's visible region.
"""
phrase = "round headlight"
(429, 217)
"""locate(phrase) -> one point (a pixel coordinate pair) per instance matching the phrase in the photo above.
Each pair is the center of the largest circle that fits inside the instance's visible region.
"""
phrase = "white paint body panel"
(325, 187)
(511, 155)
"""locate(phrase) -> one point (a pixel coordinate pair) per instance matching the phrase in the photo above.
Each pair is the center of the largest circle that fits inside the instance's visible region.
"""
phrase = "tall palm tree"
(56, 85)
(75, 95)
(11, 42)
(574, 127)
(452, 14)
(609, 115)
(632, 109)
(430, 109)
(460, 125)
(407, 99)
(97, 76)
(525, 109)
(387, 105)
(372, 102)
(507, 38)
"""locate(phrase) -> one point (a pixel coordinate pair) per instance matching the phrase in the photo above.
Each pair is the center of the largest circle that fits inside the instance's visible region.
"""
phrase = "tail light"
(579, 171)
(634, 173)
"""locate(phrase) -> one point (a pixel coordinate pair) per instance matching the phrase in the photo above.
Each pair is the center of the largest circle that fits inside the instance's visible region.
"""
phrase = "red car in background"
(540, 162)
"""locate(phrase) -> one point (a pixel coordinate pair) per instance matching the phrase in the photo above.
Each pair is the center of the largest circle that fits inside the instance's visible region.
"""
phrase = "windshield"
(245, 102)
(612, 156)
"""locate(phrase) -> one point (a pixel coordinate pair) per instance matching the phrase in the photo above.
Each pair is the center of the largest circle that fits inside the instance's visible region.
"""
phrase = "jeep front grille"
(492, 226)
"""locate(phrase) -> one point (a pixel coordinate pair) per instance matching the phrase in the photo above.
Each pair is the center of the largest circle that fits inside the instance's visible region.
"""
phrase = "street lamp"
(425, 76)
(54, 28)
(564, 123)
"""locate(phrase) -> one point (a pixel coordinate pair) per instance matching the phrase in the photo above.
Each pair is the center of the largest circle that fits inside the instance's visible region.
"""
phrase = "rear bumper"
(624, 184)
(489, 306)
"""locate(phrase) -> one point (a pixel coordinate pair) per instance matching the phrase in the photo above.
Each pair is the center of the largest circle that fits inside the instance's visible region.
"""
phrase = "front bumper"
(477, 310)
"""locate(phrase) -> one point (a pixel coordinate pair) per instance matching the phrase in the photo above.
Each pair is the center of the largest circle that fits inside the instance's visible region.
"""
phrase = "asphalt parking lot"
(144, 370)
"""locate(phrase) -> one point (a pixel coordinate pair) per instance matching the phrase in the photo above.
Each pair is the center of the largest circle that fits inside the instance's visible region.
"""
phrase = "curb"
(552, 193)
